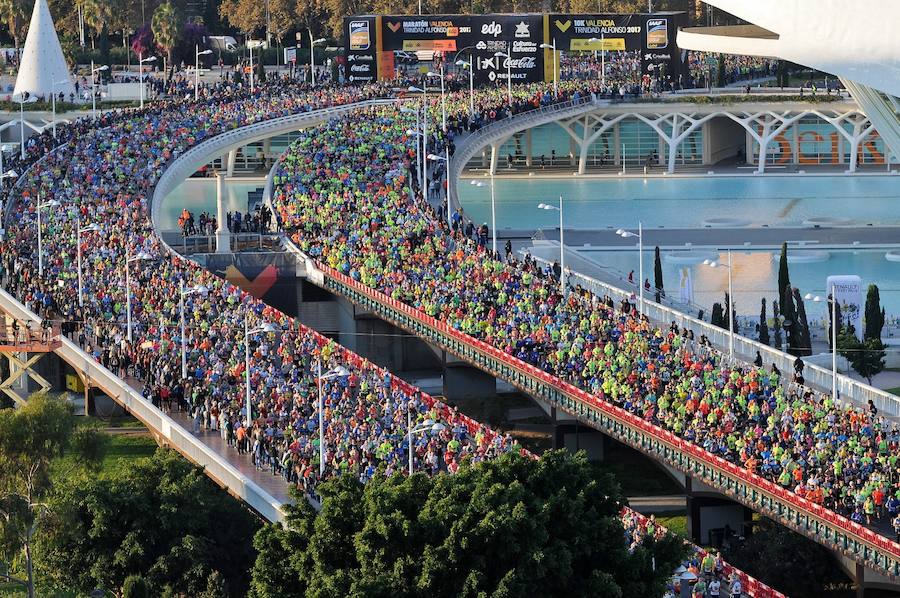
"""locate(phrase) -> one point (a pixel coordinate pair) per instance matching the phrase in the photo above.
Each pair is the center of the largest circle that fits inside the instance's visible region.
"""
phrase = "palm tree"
(14, 13)
(165, 24)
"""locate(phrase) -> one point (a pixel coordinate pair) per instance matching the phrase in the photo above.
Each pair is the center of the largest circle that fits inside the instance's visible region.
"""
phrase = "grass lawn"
(894, 391)
(674, 521)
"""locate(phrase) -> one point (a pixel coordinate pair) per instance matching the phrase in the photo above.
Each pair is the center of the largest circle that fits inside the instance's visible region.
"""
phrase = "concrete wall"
(722, 139)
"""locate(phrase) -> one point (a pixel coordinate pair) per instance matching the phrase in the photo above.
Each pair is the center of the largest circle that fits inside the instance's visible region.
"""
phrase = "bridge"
(860, 546)
(228, 469)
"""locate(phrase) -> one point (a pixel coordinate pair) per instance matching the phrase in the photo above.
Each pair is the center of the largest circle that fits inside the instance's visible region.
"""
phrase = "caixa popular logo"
(493, 28)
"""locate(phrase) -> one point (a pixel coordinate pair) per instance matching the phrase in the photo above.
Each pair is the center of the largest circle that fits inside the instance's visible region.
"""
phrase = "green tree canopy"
(31, 438)
(158, 517)
(874, 314)
(509, 527)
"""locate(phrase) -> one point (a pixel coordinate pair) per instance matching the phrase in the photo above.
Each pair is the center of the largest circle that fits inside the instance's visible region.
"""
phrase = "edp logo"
(493, 28)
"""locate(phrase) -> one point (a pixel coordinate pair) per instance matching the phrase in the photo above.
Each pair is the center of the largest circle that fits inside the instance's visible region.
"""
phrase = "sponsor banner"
(651, 35)
(610, 44)
(518, 38)
(403, 32)
(271, 277)
(362, 49)
(567, 28)
(660, 57)
(434, 45)
(848, 292)
(290, 55)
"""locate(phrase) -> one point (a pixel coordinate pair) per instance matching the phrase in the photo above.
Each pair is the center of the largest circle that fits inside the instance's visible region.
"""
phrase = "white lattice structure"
(855, 40)
(43, 68)
(674, 123)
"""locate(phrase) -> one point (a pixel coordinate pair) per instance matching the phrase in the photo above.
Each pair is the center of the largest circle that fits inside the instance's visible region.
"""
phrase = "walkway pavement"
(723, 238)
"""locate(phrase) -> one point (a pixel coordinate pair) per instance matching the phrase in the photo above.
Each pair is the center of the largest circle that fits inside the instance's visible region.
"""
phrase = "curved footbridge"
(267, 494)
(871, 557)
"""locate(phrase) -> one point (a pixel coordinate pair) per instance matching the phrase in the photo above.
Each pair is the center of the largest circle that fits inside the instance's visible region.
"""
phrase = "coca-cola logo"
(524, 62)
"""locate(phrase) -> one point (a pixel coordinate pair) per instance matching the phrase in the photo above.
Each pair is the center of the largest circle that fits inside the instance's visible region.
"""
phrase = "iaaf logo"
(493, 28)
(525, 62)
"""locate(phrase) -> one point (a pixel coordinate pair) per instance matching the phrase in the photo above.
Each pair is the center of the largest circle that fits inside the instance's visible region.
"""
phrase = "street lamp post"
(140, 256)
(493, 213)
(336, 372)
(467, 64)
(22, 101)
(417, 132)
(640, 237)
(182, 293)
(446, 159)
(562, 243)
(90, 228)
(40, 206)
(555, 65)
(94, 72)
(428, 425)
(250, 48)
(264, 328)
(731, 308)
(8, 174)
(53, 103)
(424, 138)
(312, 55)
(508, 58)
(197, 54)
(602, 41)
(141, 61)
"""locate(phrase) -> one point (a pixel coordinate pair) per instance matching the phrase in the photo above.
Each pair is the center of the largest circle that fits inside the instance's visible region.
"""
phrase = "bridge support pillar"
(465, 382)
(860, 581)
(529, 153)
(223, 235)
(495, 154)
(575, 437)
(711, 519)
(230, 161)
(267, 152)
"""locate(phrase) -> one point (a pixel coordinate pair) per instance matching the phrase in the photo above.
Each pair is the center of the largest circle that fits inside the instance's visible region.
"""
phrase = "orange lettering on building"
(808, 158)
(869, 145)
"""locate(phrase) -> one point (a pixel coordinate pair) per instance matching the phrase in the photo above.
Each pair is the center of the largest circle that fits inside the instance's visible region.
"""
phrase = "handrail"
(181, 439)
(668, 447)
(815, 374)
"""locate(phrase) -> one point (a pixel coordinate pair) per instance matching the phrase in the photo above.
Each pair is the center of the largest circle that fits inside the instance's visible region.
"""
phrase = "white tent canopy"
(43, 68)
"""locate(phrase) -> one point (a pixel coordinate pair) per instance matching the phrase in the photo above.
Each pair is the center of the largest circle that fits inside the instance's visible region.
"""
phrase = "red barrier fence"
(816, 511)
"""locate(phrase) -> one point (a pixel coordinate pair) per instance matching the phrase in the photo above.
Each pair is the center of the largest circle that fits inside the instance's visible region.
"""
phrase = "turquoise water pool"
(756, 276)
(686, 202)
(199, 195)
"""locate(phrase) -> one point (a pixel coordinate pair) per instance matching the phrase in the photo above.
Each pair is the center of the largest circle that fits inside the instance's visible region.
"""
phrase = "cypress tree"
(777, 325)
(717, 318)
(840, 326)
(874, 314)
(804, 339)
(658, 276)
(763, 325)
(784, 277)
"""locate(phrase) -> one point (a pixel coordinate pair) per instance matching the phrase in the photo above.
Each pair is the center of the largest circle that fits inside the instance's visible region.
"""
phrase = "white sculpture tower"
(43, 69)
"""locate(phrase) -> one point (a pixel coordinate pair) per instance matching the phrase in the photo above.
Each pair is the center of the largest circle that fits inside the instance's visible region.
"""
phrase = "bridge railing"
(814, 374)
(174, 434)
(762, 495)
